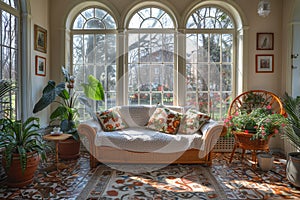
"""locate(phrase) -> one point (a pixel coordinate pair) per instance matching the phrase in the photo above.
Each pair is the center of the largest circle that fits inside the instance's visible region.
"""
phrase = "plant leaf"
(50, 92)
(93, 89)
(58, 112)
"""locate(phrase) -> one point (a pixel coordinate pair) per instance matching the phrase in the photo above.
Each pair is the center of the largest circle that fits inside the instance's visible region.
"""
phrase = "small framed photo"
(265, 41)
(40, 39)
(40, 66)
(265, 63)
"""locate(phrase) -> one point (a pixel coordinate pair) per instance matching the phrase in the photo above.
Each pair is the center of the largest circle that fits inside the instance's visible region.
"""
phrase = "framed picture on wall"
(40, 66)
(265, 41)
(40, 39)
(264, 63)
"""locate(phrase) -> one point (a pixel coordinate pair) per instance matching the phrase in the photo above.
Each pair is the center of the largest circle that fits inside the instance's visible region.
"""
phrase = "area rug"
(171, 182)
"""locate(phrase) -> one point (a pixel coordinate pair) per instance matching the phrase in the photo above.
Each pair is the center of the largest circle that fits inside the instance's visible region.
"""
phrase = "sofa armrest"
(89, 129)
(211, 131)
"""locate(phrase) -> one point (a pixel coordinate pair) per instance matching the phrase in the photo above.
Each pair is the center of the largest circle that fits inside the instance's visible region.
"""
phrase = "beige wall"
(39, 15)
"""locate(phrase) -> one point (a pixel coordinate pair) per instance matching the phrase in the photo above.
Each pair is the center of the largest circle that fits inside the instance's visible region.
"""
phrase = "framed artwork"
(40, 39)
(265, 41)
(265, 63)
(40, 66)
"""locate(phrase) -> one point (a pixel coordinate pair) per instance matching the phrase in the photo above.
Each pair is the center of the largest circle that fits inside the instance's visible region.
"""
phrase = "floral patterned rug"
(77, 181)
(171, 182)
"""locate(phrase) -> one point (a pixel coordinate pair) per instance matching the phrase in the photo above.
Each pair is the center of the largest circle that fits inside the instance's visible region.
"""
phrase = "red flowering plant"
(261, 122)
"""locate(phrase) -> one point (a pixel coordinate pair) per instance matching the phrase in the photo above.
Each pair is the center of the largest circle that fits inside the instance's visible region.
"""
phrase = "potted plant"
(260, 122)
(292, 107)
(23, 147)
(253, 128)
(66, 113)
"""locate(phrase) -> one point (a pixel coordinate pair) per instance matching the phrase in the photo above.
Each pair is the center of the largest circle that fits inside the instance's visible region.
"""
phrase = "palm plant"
(292, 107)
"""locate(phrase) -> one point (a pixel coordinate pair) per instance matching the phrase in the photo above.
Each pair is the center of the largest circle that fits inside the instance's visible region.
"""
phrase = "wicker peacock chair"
(248, 101)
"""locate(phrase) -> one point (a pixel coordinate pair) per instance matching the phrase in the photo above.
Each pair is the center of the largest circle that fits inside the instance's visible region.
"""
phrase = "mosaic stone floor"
(238, 179)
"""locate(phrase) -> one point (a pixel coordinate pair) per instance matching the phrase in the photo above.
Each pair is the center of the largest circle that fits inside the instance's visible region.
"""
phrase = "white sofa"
(137, 144)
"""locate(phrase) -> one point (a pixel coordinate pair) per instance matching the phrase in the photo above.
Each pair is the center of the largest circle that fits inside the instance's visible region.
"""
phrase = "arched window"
(210, 33)
(94, 53)
(151, 57)
(10, 47)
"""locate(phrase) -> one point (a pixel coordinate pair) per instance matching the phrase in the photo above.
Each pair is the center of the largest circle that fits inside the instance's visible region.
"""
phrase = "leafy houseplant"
(20, 137)
(261, 122)
(292, 107)
(66, 112)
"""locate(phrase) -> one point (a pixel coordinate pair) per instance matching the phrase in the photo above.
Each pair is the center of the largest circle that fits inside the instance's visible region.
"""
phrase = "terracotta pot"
(15, 177)
(68, 149)
(293, 168)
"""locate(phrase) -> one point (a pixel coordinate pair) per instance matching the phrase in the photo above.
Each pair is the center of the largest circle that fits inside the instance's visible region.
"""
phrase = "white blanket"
(145, 140)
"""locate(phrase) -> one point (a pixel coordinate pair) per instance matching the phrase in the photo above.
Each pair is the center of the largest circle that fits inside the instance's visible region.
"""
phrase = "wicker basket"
(245, 141)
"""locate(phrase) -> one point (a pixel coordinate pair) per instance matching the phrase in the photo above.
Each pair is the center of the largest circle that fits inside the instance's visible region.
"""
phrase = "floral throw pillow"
(164, 120)
(110, 120)
(192, 121)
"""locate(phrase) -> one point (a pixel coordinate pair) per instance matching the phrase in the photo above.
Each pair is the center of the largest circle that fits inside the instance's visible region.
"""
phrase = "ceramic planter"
(68, 149)
(293, 168)
(265, 161)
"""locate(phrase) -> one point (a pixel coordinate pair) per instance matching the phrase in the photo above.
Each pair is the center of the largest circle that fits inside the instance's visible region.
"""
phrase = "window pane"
(78, 51)
(89, 47)
(100, 14)
(227, 44)
(214, 78)
(168, 47)
(227, 78)
(79, 22)
(109, 22)
(89, 13)
(95, 24)
(149, 18)
(94, 18)
(215, 106)
(151, 23)
(203, 42)
(209, 18)
(111, 49)
(214, 45)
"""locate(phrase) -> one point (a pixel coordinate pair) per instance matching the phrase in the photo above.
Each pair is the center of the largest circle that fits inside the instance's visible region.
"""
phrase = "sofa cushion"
(140, 139)
(192, 121)
(165, 120)
(110, 120)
